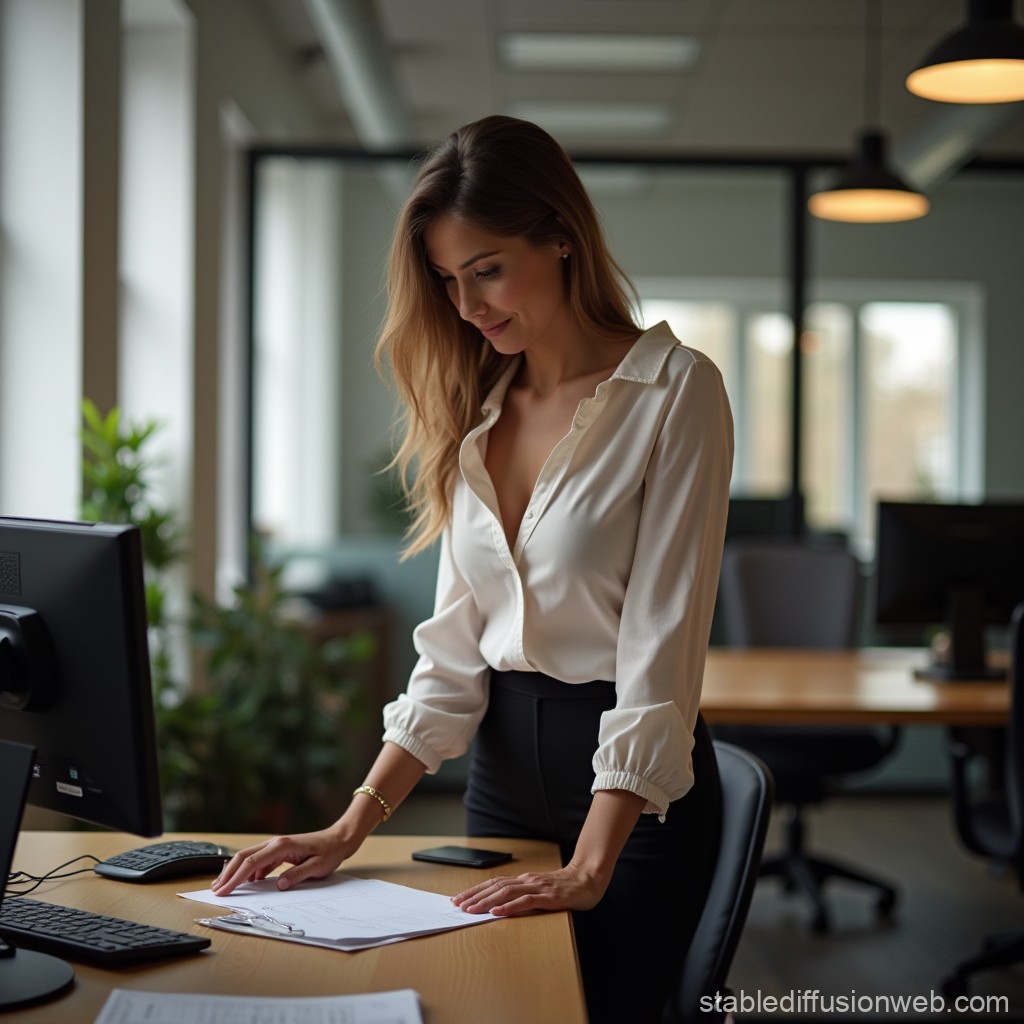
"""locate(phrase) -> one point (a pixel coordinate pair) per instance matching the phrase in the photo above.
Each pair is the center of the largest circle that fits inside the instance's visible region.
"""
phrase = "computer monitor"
(759, 516)
(764, 516)
(957, 565)
(74, 674)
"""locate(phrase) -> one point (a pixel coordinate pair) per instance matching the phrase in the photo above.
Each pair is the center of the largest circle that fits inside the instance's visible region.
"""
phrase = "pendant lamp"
(980, 63)
(868, 191)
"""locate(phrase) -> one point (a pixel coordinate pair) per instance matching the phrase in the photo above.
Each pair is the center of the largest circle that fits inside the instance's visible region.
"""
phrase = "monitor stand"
(965, 620)
(25, 976)
(942, 673)
(29, 977)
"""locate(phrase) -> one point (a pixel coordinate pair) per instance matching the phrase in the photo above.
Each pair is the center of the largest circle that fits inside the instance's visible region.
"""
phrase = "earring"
(565, 255)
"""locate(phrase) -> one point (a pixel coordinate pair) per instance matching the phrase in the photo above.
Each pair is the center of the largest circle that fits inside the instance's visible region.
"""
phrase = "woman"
(575, 470)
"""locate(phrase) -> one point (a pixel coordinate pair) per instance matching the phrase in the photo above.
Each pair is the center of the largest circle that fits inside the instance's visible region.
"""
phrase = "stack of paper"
(340, 912)
(124, 1006)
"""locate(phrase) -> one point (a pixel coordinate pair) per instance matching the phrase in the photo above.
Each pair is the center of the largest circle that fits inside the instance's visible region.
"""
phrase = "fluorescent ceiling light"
(565, 51)
(615, 180)
(596, 118)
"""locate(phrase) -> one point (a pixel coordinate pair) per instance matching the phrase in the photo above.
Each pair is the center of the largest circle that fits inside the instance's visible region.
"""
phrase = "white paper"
(126, 1006)
(340, 911)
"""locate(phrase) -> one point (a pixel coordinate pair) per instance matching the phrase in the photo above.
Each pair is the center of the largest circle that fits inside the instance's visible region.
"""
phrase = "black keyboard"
(84, 935)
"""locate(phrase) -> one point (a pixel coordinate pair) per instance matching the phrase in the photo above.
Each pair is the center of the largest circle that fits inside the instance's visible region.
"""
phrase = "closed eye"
(479, 275)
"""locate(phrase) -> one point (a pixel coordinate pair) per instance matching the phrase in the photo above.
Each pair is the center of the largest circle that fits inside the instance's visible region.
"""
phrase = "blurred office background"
(197, 202)
(197, 197)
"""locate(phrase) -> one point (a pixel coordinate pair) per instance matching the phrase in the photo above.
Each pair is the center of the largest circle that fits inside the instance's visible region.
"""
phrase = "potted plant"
(262, 744)
(282, 705)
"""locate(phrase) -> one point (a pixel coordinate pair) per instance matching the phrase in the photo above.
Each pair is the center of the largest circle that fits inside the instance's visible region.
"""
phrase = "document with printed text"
(340, 912)
(126, 1006)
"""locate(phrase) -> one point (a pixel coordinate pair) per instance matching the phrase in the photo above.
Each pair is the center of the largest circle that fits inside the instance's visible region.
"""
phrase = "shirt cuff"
(657, 799)
(414, 746)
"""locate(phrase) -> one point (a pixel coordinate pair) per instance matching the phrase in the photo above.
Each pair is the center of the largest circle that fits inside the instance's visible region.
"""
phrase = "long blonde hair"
(509, 178)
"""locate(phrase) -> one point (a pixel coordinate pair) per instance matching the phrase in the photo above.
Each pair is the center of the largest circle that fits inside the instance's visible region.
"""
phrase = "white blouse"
(613, 574)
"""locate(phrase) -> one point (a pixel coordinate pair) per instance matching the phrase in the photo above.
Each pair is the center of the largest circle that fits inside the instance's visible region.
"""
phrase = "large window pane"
(827, 450)
(909, 368)
(767, 345)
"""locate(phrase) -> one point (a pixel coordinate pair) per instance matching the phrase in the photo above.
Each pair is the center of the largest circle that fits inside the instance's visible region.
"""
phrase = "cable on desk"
(24, 878)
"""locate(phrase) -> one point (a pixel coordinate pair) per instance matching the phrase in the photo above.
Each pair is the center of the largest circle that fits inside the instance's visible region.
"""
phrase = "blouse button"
(529, 515)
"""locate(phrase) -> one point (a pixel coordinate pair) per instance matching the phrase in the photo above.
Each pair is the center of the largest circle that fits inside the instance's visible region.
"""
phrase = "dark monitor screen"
(958, 565)
(763, 516)
(755, 516)
(74, 670)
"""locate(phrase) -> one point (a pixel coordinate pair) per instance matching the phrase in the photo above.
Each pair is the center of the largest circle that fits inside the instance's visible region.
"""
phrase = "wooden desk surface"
(766, 686)
(508, 972)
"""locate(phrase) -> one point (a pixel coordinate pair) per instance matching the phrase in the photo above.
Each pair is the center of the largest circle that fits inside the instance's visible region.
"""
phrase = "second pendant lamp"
(983, 62)
(868, 190)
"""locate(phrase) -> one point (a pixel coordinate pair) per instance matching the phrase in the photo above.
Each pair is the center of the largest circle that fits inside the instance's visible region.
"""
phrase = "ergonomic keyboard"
(84, 935)
(158, 862)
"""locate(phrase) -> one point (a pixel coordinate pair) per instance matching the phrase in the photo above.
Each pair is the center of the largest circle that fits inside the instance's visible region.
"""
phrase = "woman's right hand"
(313, 854)
(317, 854)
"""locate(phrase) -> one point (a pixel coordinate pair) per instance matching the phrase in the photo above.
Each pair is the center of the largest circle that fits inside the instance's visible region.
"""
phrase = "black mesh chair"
(991, 822)
(746, 807)
(787, 593)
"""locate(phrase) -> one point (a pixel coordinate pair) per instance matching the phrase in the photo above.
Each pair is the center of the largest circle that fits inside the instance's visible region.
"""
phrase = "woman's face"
(511, 290)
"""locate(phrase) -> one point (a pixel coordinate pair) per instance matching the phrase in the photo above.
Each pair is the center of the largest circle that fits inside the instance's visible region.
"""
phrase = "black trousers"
(530, 777)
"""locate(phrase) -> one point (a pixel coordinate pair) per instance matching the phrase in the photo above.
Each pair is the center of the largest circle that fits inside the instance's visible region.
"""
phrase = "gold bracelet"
(378, 796)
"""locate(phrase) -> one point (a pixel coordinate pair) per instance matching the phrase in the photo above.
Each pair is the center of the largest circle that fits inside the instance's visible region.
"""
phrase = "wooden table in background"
(508, 972)
(775, 686)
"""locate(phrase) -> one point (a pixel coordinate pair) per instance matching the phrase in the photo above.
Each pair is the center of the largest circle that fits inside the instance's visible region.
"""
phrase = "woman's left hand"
(532, 892)
(577, 886)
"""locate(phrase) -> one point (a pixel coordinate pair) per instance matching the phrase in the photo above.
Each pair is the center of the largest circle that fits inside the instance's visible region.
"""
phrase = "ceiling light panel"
(596, 118)
(591, 51)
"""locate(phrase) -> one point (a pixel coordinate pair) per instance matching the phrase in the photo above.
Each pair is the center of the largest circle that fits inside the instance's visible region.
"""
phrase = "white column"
(41, 199)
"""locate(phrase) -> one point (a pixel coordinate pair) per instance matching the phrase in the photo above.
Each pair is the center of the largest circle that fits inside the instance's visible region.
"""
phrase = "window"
(156, 287)
(41, 291)
(829, 455)
(909, 365)
(764, 427)
(885, 376)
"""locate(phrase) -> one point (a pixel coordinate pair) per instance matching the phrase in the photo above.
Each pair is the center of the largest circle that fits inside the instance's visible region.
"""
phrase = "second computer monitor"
(960, 566)
(74, 670)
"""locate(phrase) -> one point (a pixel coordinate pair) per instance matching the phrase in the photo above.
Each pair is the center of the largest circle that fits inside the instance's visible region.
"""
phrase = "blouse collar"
(642, 364)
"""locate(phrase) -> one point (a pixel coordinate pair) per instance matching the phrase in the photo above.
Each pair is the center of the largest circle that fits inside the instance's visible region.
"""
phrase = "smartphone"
(462, 856)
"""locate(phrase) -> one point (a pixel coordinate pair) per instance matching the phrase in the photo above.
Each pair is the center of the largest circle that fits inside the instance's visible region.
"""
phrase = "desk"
(516, 970)
(774, 686)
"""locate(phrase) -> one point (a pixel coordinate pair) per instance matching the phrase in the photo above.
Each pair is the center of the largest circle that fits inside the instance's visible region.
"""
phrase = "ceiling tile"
(772, 77)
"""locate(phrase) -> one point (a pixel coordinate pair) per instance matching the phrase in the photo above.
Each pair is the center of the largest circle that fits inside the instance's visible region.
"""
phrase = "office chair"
(991, 824)
(787, 593)
(746, 808)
